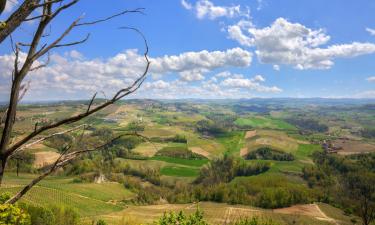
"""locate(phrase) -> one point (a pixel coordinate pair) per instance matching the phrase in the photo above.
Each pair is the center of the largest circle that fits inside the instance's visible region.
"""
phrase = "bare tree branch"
(26, 146)
(15, 20)
(138, 10)
(119, 95)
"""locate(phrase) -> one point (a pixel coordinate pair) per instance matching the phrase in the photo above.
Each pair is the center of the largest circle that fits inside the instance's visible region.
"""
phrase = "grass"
(214, 213)
(274, 139)
(264, 122)
(88, 199)
(186, 162)
(232, 141)
(179, 171)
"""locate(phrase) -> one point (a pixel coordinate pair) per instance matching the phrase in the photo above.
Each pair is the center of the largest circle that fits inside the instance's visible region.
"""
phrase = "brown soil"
(353, 147)
(45, 158)
(200, 151)
(250, 134)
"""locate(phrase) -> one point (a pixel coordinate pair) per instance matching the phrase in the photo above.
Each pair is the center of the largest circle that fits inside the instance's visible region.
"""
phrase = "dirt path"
(45, 158)
(311, 210)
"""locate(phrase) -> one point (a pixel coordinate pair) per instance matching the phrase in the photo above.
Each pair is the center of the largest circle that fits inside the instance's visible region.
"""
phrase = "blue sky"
(210, 49)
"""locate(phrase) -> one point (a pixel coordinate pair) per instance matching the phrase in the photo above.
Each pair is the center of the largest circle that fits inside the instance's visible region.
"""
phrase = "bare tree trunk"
(3, 163)
(9, 121)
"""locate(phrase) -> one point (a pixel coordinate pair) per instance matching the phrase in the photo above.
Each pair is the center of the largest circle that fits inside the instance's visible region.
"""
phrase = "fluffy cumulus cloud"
(71, 74)
(202, 61)
(294, 44)
(228, 86)
(250, 84)
(371, 79)
(207, 9)
(370, 31)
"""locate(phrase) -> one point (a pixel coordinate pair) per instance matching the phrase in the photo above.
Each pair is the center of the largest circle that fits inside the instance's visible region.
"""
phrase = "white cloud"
(276, 67)
(251, 84)
(294, 44)
(186, 4)
(365, 94)
(160, 84)
(207, 9)
(192, 65)
(371, 31)
(192, 75)
(73, 74)
(10, 5)
(371, 79)
(259, 78)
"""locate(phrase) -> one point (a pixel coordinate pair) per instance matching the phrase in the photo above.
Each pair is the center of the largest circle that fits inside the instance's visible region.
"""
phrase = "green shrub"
(181, 152)
(270, 154)
(65, 215)
(253, 221)
(12, 214)
(40, 215)
(101, 222)
(181, 219)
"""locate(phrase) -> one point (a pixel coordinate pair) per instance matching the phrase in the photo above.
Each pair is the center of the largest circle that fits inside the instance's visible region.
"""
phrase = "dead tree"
(35, 51)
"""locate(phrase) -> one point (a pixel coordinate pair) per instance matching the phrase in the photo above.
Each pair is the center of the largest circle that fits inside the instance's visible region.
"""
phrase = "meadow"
(181, 142)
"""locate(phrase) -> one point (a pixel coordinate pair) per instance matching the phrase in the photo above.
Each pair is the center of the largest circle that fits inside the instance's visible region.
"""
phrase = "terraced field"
(217, 213)
(88, 199)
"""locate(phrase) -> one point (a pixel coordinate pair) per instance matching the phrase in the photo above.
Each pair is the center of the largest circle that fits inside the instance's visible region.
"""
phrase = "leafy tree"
(12, 214)
(361, 188)
(180, 218)
(136, 126)
(253, 221)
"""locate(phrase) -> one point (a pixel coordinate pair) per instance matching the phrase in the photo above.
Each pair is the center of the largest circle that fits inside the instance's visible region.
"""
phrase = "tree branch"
(119, 95)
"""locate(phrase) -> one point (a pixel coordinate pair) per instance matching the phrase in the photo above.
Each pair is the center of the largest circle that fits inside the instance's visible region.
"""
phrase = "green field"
(264, 122)
(179, 171)
(88, 199)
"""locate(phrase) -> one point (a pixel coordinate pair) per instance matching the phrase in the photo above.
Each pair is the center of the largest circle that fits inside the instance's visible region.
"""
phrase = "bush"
(101, 222)
(181, 152)
(270, 154)
(181, 219)
(272, 198)
(253, 221)
(12, 214)
(40, 215)
(227, 168)
(65, 215)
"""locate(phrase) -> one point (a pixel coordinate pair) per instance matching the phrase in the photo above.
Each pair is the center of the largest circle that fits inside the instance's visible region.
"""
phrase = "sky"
(210, 49)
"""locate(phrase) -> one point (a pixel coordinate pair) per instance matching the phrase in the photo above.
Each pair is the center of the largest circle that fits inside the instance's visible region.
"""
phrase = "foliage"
(181, 152)
(40, 215)
(180, 218)
(209, 127)
(272, 198)
(348, 182)
(227, 168)
(101, 222)
(368, 132)
(60, 141)
(136, 126)
(12, 214)
(308, 124)
(65, 215)
(253, 221)
(270, 154)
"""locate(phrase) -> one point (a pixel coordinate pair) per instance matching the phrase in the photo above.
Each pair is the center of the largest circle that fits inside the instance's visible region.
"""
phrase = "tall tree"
(50, 9)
